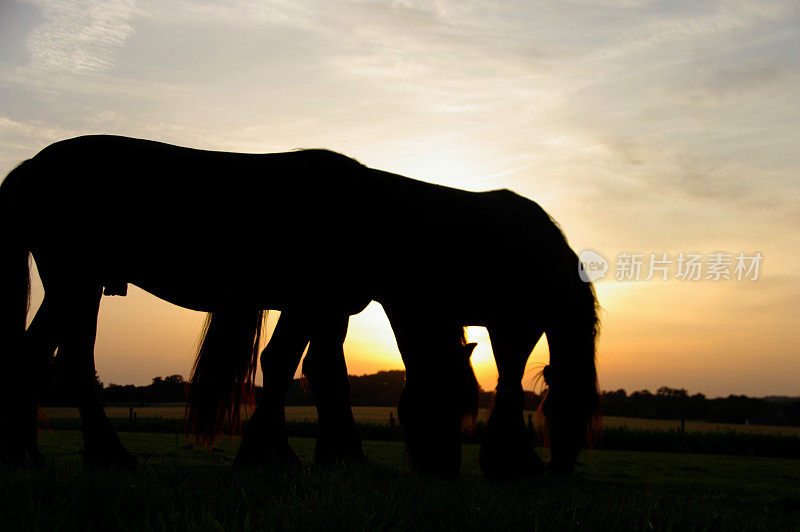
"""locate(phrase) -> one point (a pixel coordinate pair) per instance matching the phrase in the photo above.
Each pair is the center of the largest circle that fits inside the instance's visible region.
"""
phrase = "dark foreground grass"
(183, 488)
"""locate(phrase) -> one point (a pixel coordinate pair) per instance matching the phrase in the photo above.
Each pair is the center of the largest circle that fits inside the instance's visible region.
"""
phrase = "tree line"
(384, 388)
(671, 403)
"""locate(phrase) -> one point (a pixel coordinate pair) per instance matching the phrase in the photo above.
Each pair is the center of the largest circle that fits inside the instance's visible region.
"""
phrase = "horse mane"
(594, 425)
(223, 376)
(583, 396)
(577, 312)
(587, 310)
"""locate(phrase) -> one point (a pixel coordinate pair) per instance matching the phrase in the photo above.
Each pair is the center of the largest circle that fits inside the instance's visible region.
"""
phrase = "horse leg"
(326, 370)
(440, 391)
(508, 447)
(78, 309)
(40, 344)
(265, 441)
(19, 394)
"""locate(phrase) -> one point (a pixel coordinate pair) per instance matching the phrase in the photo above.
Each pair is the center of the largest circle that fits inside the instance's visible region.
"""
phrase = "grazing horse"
(317, 236)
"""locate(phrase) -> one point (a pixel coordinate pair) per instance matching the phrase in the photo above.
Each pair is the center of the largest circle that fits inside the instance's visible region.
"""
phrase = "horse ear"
(469, 348)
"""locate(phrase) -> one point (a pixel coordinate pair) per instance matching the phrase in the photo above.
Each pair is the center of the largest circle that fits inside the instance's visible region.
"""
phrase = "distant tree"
(671, 403)
(615, 403)
(672, 393)
(643, 404)
(741, 409)
(379, 389)
(98, 384)
(384, 388)
(116, 393)
(168, 389)
(697, 407)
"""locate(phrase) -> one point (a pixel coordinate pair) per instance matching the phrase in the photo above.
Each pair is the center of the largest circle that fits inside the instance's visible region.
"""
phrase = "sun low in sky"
(649, 130)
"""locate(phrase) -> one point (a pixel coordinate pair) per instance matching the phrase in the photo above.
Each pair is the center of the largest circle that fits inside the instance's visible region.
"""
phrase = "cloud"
(30, 129)
(80, 35)
(241, 14)
(663, 31)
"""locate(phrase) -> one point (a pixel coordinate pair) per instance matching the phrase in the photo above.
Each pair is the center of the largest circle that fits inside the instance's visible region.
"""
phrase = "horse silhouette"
(318, 236)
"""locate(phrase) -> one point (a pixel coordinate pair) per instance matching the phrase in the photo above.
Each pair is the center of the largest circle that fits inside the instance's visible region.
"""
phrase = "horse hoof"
(285, 459)
(499, 472)
(560, 470)
(37, 458)
(15, 460)
(347, 458)
(510, 464)
(15, 456)
(532, 465)
(439, 463)
(350, 454)
(121, 461)
(437, 473)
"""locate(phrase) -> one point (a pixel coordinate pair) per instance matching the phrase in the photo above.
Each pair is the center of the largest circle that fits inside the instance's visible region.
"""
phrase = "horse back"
(136, 210)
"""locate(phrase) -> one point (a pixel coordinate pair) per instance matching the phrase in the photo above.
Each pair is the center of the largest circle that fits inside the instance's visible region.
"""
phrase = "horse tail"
(571, 406)
(223, 376)
(15, 290)
(14, 267)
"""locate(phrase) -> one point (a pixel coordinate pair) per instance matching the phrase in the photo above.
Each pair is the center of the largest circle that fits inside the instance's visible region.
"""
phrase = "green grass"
(182, 488)
(619, 438)
(380, 415)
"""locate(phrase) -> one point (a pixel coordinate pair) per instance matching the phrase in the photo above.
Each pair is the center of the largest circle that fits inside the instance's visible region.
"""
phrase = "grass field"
(183, 488)
(380, 414)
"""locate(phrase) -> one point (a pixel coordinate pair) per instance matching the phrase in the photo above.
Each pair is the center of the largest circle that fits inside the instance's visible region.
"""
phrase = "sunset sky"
(640, 126)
